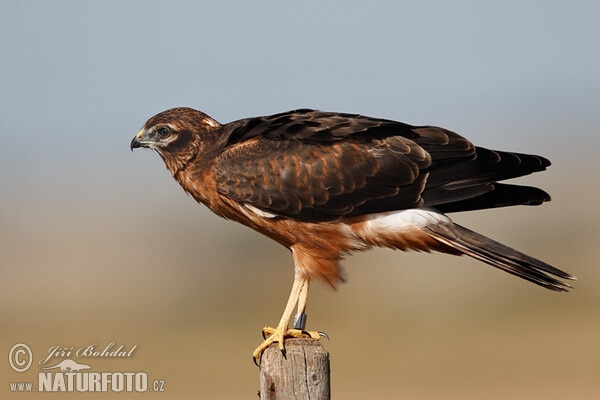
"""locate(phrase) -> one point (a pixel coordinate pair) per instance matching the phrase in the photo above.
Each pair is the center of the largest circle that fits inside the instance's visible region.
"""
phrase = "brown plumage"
(325, 184)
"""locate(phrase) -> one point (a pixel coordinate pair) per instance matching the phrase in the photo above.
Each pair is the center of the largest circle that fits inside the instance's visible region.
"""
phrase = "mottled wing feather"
(316, 182)
(305, 125)
(313, 165)
(316, 166)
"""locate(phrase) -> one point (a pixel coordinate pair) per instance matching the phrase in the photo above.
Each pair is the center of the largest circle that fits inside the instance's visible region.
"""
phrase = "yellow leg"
(298, 295)
(300, 320)
(303, 297)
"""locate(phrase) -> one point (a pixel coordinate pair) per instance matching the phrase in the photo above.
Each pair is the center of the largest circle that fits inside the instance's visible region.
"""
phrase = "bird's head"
(178, 135)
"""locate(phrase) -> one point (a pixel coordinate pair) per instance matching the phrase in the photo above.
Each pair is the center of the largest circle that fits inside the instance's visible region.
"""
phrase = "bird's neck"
(196, 179)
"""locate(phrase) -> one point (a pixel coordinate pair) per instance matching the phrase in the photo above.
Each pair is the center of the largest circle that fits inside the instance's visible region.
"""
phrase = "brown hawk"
(326, 184)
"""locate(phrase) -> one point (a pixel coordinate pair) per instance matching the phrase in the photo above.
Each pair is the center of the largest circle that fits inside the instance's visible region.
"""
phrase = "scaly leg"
(298, 295)
(300, 319)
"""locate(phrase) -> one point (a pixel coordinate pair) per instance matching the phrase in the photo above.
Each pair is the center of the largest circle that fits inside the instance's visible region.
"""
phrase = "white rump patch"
(404, 220)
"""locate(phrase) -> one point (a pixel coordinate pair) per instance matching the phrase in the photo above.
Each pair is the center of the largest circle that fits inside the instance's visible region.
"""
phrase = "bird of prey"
(326, 184)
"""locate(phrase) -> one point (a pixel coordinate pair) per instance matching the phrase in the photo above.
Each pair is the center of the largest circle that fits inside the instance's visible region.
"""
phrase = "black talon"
(256, 363)
(264, 336)
(283, 354)
(306, 333)
(325, 336)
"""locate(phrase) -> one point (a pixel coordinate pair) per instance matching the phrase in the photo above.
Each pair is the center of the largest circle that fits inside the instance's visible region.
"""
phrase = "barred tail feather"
(498, 255)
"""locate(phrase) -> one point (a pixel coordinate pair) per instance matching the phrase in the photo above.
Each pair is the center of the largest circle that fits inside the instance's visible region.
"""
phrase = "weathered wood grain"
(303, 374)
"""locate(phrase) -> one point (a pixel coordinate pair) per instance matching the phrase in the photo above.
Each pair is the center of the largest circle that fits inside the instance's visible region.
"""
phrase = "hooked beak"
(140, 140)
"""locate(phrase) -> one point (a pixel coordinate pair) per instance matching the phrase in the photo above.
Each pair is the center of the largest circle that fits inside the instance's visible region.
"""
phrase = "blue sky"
(78, 79)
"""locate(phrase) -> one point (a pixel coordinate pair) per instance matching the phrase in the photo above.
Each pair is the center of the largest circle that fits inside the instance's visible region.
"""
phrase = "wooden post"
(303, 374)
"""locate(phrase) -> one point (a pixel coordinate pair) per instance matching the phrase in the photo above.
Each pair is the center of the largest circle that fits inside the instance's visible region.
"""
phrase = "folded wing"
(318, 166)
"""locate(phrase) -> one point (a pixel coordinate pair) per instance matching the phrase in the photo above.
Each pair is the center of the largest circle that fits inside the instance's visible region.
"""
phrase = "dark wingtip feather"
(545, 162)
(502, 195)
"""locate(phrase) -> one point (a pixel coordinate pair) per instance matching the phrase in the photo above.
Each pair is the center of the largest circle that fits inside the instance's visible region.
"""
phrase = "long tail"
(498, 255)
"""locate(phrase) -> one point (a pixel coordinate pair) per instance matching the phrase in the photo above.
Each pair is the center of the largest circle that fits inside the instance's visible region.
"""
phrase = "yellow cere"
(139, 133)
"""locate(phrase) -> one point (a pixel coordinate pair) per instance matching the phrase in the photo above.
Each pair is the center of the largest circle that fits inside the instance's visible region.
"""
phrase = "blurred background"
(100, 245)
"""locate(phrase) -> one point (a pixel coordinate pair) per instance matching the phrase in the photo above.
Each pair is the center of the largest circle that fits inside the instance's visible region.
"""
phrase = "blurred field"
(99, 245)
(192, 292)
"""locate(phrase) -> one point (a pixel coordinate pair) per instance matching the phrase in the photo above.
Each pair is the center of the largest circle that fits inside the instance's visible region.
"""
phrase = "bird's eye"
(164, 132)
